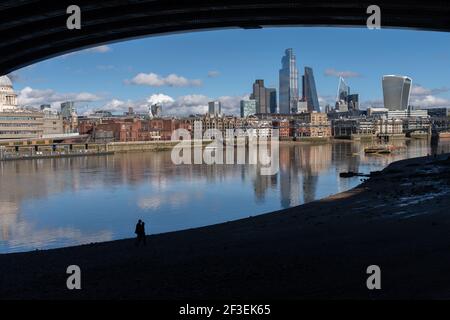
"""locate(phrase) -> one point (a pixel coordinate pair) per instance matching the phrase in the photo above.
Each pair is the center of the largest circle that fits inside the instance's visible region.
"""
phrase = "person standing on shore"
(143, 236)
(140, 233)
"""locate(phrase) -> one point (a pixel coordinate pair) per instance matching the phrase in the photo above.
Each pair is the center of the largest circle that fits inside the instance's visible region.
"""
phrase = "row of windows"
(19, 132)
(19, 124)
(18, 118)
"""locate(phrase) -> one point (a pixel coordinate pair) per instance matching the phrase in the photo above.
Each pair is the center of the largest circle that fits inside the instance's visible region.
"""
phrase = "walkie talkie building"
(396, 91)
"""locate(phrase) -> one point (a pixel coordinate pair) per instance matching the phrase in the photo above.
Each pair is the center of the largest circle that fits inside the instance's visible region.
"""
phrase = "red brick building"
(133, 129)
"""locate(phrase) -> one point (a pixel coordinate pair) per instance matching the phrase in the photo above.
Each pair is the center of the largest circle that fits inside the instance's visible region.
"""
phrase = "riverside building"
(21, 124)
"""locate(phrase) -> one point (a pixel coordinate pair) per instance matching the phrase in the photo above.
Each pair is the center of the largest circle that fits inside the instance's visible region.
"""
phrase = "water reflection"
(57, 202)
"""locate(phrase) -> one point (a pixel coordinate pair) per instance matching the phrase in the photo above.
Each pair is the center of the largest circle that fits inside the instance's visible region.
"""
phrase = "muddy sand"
(398, 219)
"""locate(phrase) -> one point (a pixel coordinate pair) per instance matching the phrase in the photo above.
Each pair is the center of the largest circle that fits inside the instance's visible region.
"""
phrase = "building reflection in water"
(55, 202)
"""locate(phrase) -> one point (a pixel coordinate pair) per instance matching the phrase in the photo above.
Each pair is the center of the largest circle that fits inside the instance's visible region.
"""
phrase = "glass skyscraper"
(214, 108)
(353, 102)
(248, 108)
(266, 98)
(271, 100)
(288, 82)
(396, 91)
(259, 94)
(342, 95)
(310, 91)
(343, 90)
(67, 108)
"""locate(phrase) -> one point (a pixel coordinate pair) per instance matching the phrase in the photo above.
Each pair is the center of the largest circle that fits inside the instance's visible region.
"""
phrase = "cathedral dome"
(8, 98)
(5, 82)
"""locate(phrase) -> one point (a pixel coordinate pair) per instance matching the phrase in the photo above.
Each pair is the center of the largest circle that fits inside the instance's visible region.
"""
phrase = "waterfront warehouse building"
(14, 122)
(396, 92)
(21, 124)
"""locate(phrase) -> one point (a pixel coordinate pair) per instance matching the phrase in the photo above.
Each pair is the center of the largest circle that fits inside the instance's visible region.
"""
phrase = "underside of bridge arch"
(33, 30)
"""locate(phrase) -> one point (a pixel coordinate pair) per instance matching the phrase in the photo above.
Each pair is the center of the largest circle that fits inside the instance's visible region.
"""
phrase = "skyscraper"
(288, 82)
(259, 94)
(310, 91)
(342, 95)
(67, 109)
(343, 90)
(248, 108)
(353, 102)
(214, 108)
(271, 100)
(396, 91)
(156, 110)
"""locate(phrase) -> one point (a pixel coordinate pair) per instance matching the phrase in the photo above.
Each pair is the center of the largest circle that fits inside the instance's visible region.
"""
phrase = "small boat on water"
(383, 149)
(445, 134)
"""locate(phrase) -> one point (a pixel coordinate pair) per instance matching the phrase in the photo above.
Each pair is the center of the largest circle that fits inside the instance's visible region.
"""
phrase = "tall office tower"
(271, 100)
(396, 91)
(310, 91)
(248, 108)
(259, 94)
(156, 110)
(214, 108)
(67, 109)
(288, 82)
(343, 92)
(353, 102)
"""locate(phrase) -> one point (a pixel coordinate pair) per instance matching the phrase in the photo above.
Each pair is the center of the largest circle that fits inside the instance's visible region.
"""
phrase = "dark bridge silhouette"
(33, 30)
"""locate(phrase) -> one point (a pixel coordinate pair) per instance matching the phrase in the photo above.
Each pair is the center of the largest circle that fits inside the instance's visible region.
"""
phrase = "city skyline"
(115, 77)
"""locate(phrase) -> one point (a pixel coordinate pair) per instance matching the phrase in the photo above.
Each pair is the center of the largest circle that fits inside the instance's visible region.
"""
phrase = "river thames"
(50, 203)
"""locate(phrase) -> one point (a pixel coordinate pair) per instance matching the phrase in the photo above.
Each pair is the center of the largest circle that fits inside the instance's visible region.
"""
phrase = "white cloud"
(195, 103)
(188, 104)
(418, 90)
(429, 101)
(327, 99)
(213, 74)
(231, 104)
(181, 106)
(155, 80)
(426, 97)
(35, 97)
(160, 98)
(345, 74)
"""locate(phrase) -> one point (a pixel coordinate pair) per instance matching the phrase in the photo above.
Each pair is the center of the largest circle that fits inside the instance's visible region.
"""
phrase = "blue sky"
(186, 70)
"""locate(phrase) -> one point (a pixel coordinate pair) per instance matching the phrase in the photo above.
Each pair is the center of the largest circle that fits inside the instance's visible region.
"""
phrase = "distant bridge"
(434, 129)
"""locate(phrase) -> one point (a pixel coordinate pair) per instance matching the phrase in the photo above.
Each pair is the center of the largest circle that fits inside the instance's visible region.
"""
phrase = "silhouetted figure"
(140, 233)
(143, 236)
